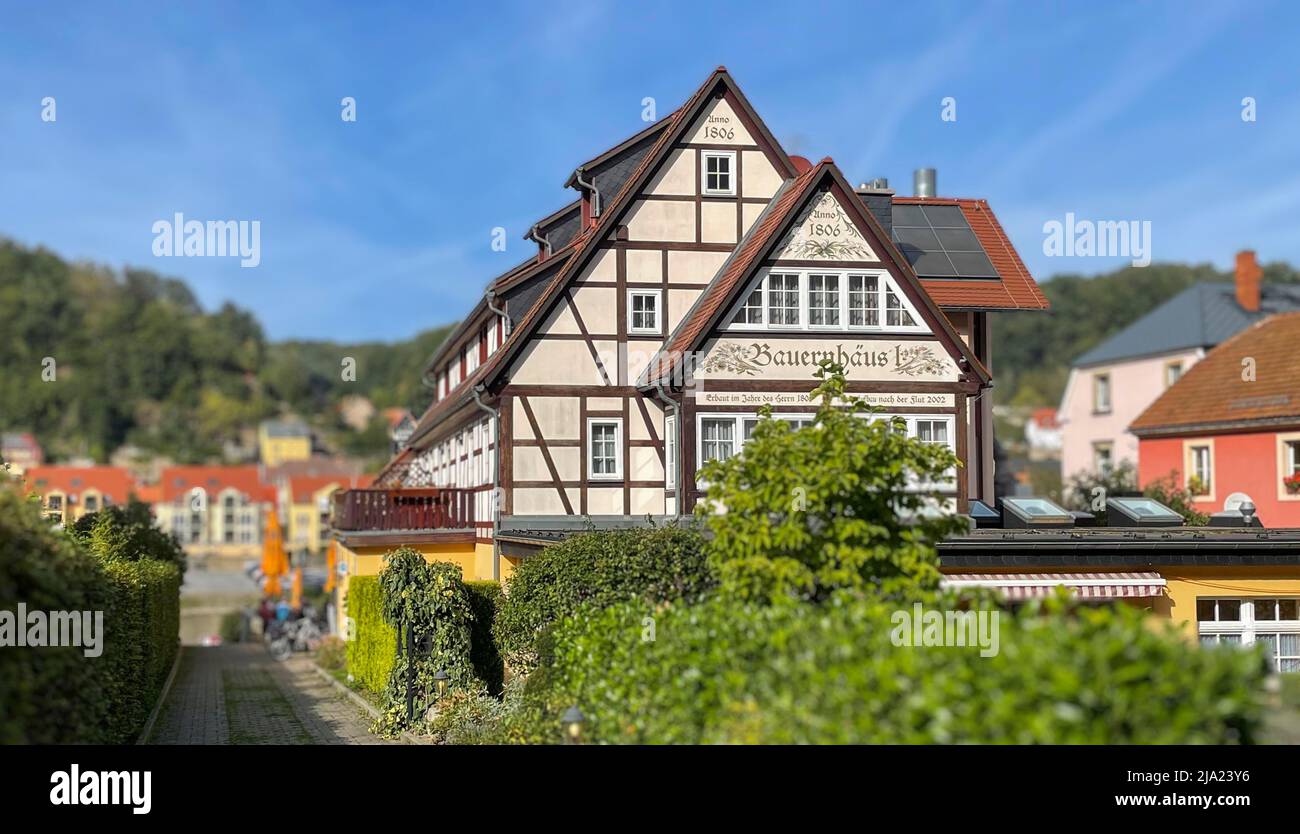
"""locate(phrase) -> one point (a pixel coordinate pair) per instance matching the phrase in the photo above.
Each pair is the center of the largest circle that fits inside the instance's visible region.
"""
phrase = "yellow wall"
(475, 561)
(276, 450)
(1186, 584)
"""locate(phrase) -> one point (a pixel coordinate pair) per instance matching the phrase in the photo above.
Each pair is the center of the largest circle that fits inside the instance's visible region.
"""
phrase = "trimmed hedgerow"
(59, 695)
(372, 644)
(725, 671)
(484, 599)
(598, 569)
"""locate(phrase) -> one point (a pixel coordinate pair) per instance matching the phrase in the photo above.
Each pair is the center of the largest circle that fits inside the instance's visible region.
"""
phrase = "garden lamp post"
(440, 680)
(572, 721)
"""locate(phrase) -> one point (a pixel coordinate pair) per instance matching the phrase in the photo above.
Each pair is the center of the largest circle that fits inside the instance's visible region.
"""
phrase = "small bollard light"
(572, 721)
(440, 679)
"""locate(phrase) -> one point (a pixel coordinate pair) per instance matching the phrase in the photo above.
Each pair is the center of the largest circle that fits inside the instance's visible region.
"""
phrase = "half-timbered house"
(702, 273)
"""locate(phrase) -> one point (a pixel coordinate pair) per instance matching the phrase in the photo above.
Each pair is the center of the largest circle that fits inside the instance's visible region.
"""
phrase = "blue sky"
(472, 118)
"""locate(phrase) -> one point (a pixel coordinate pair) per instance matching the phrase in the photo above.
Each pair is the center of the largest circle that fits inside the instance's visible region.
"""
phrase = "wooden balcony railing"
(403, 509)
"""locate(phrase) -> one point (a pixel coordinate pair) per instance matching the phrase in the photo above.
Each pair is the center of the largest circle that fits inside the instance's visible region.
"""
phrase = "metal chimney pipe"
(923, 182)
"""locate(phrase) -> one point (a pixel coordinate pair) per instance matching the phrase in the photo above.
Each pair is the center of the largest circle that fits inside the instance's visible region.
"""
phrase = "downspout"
(595, 192)
(496, 479)
(489, 297)
(677, 430)
(540, 239)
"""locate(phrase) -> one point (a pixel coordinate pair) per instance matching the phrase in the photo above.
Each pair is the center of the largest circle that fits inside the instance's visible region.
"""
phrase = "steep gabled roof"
(587, 244)
(1201, 316)
(1217, 395)
(766, 233)
(1014, 289)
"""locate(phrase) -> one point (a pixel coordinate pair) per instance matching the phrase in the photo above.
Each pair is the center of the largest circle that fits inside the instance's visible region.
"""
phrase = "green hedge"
(723, 672)
(141, 621)
(372, 646)
(58, 695)
(484, 599)
(597, 569)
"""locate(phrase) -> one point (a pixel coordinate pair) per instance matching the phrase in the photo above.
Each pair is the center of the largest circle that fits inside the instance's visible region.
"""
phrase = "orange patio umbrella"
(274, 561)
(295, 589)
(331, 567)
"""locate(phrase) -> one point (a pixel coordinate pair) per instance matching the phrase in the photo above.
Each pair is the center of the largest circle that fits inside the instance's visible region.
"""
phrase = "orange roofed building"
(1229, 429)
(215, 510)
(69, 492)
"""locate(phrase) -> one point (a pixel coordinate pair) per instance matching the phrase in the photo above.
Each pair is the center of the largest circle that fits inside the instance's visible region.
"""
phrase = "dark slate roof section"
(1201, 316)
(1112, 547)
(561, 232)
(611, 175)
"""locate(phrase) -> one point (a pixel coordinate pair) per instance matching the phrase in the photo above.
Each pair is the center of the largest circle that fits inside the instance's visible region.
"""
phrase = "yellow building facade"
(282, 441)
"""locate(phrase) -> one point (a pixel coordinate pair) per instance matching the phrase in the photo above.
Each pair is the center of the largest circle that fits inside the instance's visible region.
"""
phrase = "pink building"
(1110, 385)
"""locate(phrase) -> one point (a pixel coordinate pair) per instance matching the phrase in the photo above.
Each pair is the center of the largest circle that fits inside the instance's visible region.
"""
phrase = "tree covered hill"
(137, 360)
(1032, 351)
(91, 359)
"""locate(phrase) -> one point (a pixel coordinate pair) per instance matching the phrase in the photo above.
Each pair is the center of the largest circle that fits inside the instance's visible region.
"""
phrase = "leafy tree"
(127, 534)
(846, 503)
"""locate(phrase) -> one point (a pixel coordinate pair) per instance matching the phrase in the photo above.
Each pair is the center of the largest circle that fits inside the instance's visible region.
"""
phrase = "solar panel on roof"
(938, 242)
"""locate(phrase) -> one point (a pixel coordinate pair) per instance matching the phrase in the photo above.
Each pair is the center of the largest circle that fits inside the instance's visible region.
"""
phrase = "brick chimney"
(1248, 277)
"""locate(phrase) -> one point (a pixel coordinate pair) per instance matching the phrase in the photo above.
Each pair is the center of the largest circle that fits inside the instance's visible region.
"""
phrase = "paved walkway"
(237, 694)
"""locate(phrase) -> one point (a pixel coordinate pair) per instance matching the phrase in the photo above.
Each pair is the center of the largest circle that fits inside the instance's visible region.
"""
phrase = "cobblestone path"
(236, 694)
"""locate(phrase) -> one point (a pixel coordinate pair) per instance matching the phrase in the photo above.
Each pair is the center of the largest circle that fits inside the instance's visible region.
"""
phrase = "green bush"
(332, 654)
(730, 672)
(127, 533)
(484, 599)
(839, 505)
(141, 624)
(372, 645)
(58, 695)
(597, 569)
(429, 607)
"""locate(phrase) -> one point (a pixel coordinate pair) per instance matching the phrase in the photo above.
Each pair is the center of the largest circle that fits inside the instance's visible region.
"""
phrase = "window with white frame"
(782, 300)
(751, 309)
(719, 172)
(643, 308)
(1271, 622)
(822, 300)
(720, 436)
(471, 357)
(492, 338)
(604, 448)
(1291, 458)
(670, 452)
(1200, 470)
(1101, 394)
(864, 301)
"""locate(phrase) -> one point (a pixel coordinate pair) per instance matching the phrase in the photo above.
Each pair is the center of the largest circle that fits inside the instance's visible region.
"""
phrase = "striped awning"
(1082, 585)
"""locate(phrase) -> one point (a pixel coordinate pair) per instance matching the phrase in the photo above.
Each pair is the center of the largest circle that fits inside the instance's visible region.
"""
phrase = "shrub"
(846, 504)
(141, 624)
(127, 533)
(428, 606)
(372, 646)
(332, 654)
(484, 599)
(597, 569)
(731, 672)
(58, 695)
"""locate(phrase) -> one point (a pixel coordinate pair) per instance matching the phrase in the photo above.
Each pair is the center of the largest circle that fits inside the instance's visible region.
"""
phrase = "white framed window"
(670, 452)
(604, 448)
(1101, 393)
(782, 300)
(717, 438)
(718, 173)
(1200, 469)
(1103, 453)
(751, 309)
(864, 301)
(471, 357)
(643, 311)
(825, 300)
(1173, 372)
(1271, 622)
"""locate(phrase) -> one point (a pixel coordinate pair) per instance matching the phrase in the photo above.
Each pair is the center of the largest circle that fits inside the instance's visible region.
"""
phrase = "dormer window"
(719, 172)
